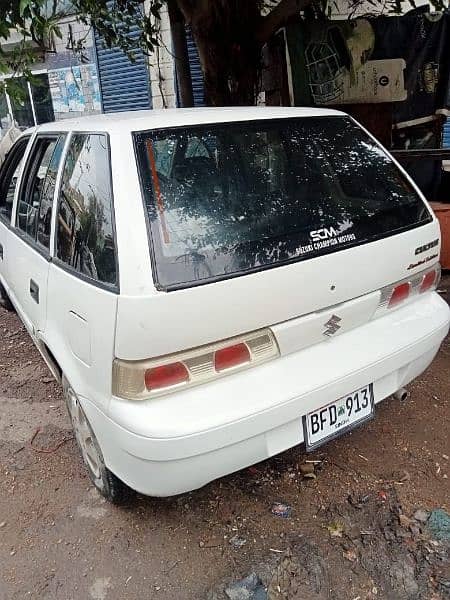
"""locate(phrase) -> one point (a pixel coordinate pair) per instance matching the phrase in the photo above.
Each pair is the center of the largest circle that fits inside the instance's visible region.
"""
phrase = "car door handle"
(1, 252)
(34, 291)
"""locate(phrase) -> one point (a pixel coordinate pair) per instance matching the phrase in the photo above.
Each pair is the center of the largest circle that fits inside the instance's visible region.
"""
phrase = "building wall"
(162, 68)
(73, 88)
(72, 76)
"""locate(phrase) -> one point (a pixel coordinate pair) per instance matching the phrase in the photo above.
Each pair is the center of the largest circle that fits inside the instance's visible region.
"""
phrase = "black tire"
(5, 302)
(108, 484)
(115, 490)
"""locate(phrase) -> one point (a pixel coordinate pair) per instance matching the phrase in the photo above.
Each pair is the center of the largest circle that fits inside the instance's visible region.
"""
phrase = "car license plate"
(338, 417)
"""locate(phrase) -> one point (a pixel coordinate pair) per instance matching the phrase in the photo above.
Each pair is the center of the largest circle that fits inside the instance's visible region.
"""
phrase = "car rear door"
(29, 243)
(83, 281)
(294, 224)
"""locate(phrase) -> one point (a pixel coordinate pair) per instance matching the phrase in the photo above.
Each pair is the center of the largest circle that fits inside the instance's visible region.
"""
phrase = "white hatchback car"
(214, 286)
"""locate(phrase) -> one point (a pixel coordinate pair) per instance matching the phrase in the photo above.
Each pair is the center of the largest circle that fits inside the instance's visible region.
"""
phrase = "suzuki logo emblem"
(332, 325)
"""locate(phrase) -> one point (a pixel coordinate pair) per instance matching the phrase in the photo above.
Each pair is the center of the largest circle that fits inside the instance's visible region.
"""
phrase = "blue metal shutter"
(446, 138)
(198, 87)
(124, 85)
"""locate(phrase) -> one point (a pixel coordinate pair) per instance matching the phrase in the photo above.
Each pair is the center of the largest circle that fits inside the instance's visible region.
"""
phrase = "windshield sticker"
(327, 237)
(323, 234)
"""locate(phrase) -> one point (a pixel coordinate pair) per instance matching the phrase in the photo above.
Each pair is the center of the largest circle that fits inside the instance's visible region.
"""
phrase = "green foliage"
(19, 60)
(114, 22)
(34, 24)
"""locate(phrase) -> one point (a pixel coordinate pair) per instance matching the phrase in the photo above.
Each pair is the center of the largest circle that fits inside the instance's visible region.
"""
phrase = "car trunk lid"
(297, 300)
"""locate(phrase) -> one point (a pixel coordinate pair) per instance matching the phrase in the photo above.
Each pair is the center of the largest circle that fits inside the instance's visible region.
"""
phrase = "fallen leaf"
(306, 469)
(335, 529)
(405, 521)
(279, 509)
(402, 476)
(350, 555)
(382, 495)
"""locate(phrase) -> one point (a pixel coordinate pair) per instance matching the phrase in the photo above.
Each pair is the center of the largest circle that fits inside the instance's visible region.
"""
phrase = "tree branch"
(181, 56)
(278, 16)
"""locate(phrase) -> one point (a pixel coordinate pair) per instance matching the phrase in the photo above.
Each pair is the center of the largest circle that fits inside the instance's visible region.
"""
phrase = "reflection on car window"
(165, 154)
(36, 195)
(196, 147)
(85, 238)
(8, 178)
(48, 190)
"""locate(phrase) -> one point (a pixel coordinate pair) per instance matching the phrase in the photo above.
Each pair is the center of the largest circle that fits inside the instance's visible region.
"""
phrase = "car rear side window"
(8, 177)
(227, 199)
(34, 209)
(85, 232)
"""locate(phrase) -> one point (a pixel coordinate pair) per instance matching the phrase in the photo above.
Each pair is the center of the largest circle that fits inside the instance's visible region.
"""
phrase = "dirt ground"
(348, 535)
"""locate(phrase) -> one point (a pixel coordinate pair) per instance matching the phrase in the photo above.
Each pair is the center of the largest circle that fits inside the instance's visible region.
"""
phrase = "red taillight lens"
(166, 376)
(226, 358)
(428, 281)
(399, 293)
(145, 379)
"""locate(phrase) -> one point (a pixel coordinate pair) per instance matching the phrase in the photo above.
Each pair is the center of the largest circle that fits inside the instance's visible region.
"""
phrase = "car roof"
(125, 122)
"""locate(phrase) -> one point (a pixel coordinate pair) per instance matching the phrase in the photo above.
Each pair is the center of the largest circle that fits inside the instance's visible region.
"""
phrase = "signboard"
(75, 89)
(403, 60)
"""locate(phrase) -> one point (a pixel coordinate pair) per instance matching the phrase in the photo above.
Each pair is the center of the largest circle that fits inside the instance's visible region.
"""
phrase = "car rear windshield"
(231, 198)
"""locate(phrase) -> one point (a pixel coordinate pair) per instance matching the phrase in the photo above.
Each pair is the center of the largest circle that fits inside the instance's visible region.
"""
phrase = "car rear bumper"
(180, 442)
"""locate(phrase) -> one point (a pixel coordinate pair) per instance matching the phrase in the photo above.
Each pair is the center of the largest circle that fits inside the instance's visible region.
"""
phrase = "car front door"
(29, 244)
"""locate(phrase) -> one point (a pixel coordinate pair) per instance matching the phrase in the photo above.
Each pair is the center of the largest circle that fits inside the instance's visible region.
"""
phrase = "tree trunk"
(230, 35)
(230, 54)
(181, 57)
(230, 79)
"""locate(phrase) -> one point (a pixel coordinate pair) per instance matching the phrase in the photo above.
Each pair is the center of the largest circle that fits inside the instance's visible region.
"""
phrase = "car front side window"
(8, 178)
(34, 208)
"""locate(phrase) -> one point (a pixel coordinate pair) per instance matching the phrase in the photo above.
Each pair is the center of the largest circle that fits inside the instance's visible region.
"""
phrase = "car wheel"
(5, 302)
(110, 486)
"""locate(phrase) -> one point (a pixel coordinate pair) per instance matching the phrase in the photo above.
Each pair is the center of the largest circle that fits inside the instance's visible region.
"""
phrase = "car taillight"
(166, 376)
(428, 281)
(399, 294)
(396, 294)
(140, 380)
(233, 356)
